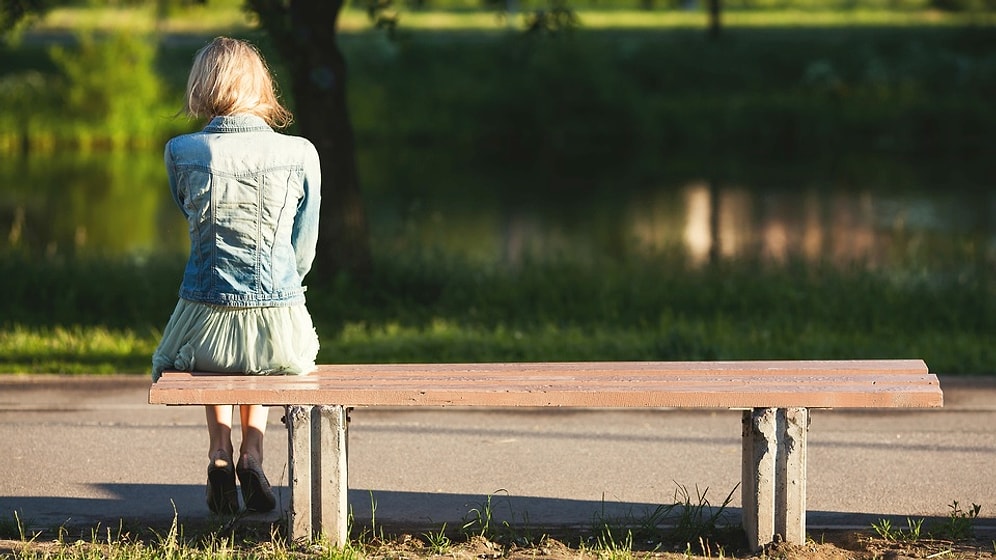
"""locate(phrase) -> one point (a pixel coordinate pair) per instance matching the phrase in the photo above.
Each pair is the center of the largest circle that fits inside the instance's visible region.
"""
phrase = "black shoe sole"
(222, 497)
(256, 490)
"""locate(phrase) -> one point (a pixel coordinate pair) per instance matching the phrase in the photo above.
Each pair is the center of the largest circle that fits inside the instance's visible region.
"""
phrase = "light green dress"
(247, 340)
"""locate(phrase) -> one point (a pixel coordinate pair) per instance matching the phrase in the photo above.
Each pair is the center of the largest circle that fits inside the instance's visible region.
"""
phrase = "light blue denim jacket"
(251, 198)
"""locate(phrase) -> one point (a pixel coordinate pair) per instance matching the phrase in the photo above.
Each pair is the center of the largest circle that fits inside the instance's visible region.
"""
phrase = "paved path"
(76, 452)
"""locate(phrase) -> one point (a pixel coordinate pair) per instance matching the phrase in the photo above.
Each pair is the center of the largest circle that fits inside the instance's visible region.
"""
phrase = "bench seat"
(812, 384)
(774, 395)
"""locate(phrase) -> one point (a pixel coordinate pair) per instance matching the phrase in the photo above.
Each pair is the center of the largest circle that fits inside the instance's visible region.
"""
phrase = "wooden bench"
(774, 395)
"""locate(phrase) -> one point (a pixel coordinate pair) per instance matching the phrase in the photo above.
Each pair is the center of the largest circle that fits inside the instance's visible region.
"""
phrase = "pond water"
(119, 204)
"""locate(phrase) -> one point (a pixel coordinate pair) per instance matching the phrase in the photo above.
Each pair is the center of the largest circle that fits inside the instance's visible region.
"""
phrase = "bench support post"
(316, 447)
(298, 420)
(329, 493)
(774, 475)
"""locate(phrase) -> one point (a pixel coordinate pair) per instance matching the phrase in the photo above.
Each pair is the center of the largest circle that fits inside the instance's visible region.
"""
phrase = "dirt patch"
(840, 545)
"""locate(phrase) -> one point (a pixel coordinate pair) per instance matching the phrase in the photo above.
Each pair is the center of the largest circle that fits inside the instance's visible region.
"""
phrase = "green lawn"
(228, 16)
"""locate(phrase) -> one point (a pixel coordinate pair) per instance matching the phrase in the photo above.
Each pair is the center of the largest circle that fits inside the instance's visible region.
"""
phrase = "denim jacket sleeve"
(171, 175)
(304, 236)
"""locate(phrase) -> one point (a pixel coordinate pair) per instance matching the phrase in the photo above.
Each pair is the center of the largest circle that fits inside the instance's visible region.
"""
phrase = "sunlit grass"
(98, 350)
(230, 17)
(143, 18)
(427, 20)
(722, 338)
(434, 309)
(689, 528)
(79, 349)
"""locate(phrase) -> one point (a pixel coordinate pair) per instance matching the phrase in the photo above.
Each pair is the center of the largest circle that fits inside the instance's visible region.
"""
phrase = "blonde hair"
(229, 76)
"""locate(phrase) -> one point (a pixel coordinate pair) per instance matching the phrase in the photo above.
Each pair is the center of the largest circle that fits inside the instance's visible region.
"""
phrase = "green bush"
(565, 103)
(93, 92)
(111, 85)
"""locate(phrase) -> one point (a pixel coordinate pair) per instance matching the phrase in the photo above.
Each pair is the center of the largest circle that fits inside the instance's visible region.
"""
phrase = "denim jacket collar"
(237, 123)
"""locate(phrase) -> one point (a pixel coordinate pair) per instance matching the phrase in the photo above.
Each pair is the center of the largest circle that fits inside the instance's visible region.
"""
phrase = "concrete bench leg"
(774, 475)
(317, 470)
(328, 467)
(298, 420)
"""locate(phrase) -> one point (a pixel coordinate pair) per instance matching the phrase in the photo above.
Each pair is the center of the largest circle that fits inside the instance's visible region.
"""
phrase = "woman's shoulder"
(304, 144)
(184, 139)
(301, 140)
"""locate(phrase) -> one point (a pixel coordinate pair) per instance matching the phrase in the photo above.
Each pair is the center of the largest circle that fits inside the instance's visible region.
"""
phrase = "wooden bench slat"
(814, 384)
(829, 367)
(801, 382)
(587, 400)
(770, 367)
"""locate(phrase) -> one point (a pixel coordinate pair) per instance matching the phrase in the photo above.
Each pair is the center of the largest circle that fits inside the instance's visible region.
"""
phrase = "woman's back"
(250, 196)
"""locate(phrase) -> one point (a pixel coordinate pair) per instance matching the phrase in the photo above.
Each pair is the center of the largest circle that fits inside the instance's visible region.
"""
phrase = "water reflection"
(107, 203)
(710, 222)
(119, 204)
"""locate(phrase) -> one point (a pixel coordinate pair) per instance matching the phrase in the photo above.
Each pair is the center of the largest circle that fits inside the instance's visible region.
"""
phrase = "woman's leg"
(219, 421)
(253, 419)
(221, 494)
(256, 489)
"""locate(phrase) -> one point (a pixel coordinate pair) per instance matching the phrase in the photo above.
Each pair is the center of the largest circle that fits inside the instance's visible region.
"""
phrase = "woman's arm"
(305, 234)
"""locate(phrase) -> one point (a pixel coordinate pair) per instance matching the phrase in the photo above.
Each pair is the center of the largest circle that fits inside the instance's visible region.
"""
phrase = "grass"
(354, 20)
(653, 537)
(688, 518)
(940, 538)
(216, 17)
(223, 16)
(104, 314)
(76, 350)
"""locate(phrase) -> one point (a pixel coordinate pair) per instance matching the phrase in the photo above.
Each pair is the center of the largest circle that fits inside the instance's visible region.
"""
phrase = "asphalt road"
(78, 452)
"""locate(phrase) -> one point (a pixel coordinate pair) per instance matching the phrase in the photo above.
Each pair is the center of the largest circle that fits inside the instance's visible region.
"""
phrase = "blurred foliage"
(963, 5)
(557, 17)
(560, 97)
(89, 93)
(110, 82)
(14, 12)
(686, 4)
(567, 105)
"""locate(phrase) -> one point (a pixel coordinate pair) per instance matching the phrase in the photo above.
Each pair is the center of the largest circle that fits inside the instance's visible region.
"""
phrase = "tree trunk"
(715, 9)
(304, 33)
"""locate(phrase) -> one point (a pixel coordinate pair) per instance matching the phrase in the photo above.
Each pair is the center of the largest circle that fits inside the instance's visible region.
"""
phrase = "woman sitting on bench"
(251, 197)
